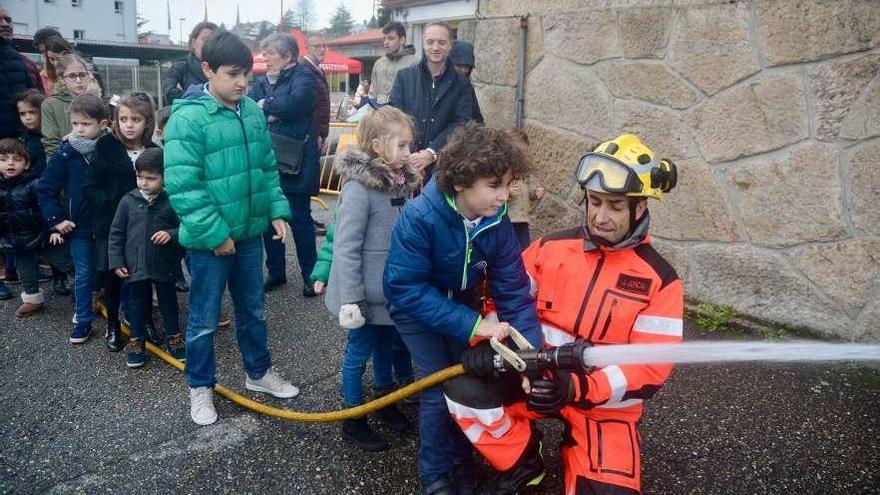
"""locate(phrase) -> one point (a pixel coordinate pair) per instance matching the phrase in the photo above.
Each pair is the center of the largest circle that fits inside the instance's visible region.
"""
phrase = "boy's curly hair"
(475, 151)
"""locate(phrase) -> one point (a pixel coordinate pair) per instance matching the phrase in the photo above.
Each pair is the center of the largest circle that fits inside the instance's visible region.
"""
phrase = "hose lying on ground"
(311, 417)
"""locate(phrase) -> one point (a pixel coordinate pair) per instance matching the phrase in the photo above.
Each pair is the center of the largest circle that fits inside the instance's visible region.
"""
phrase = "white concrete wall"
(97, 18)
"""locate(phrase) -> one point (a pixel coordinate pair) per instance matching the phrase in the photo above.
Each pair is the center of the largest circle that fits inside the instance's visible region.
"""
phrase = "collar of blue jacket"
(445, 206)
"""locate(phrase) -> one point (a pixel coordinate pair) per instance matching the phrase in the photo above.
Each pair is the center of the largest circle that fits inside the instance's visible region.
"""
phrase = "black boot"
(443, 486)
(465, 478)
(358, 431)
(393, 418)
(114, 336)
(527, 474)
(60, 285)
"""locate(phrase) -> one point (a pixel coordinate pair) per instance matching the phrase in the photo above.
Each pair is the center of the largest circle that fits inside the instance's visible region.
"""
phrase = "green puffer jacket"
(321, 272)
(220, 172)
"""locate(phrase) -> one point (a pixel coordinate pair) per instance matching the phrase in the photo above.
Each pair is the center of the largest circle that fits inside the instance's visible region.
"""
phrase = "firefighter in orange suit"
(602, 283)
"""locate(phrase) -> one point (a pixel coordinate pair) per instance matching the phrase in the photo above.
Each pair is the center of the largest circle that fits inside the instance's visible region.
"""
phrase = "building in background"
(99, 20)
(365, 47)
(104, 29)
(414, 14)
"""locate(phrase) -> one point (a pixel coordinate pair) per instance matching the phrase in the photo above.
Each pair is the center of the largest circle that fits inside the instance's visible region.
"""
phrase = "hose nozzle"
(569, 357)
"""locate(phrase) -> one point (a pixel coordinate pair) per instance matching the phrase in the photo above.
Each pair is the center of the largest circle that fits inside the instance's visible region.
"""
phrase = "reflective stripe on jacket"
(608, 297)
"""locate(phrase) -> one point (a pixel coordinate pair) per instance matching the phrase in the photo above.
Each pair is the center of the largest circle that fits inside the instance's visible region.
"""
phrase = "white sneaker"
(201, 405)
(272, 384)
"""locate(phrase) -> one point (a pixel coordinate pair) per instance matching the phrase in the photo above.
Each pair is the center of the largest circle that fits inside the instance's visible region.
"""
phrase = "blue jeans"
(375, 340)
(140, 307)
(303, 236)
(210, 274)
(401, 361)
(81, 250)
(442, 443)
(9, 260)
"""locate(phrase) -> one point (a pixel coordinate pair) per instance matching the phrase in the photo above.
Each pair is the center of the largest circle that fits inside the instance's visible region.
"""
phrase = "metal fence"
(121, 75)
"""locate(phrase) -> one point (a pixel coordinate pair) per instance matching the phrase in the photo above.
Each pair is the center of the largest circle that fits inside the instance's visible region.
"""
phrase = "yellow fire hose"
(311, 417)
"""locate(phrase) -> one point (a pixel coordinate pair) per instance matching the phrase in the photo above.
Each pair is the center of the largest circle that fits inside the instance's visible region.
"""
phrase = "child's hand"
(121, 272)
(280, 226)
(161, 237)
(56, 239)
(515, 188)
(225, 249)
(65, 227)
(319, 287)
(491, 329)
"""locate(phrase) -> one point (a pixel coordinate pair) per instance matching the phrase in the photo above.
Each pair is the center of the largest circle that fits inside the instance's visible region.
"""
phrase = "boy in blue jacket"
(451, 248)
(71, 222)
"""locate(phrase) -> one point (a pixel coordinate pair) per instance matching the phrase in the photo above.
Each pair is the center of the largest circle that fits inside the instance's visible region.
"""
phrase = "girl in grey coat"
(378, 182)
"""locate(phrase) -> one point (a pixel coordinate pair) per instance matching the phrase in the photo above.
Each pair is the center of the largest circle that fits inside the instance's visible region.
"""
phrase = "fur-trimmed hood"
(355, 164)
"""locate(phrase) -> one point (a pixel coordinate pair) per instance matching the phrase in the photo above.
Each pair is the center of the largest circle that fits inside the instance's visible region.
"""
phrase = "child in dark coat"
(108, 178)
(28, 103)
(28, 106)
(143, 251)
(22, 229)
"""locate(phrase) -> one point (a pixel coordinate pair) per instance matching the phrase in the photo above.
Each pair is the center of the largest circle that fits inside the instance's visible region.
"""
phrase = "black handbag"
(288, 154)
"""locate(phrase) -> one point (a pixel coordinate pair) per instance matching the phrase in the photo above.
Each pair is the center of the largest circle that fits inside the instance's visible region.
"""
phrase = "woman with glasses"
(73, 79)
(288, 96)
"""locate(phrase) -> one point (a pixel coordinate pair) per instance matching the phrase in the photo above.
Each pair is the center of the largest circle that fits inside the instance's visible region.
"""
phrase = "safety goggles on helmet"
(597, 171)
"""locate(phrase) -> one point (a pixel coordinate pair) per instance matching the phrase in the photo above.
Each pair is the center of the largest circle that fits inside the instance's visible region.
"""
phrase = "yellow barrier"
(342, 135)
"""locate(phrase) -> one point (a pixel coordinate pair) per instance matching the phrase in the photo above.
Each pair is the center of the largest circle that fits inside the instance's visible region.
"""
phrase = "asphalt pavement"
(74, 419)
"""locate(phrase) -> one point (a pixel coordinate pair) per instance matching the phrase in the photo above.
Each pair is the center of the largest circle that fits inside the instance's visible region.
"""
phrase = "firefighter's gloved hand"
(479, 360)
(549, 395)
(354, 315)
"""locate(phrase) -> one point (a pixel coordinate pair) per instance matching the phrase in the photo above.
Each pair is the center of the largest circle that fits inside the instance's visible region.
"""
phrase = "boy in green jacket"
(222, 180)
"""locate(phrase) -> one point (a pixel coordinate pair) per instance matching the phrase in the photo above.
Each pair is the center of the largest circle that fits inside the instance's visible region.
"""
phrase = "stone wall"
(771, 110)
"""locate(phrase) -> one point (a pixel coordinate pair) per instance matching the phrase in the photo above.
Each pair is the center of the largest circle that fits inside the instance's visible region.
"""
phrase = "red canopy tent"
(334, 63)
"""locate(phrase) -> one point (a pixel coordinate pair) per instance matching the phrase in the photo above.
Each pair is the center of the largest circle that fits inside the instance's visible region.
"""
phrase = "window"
(117, 6)
(76, 3)
(79, 34)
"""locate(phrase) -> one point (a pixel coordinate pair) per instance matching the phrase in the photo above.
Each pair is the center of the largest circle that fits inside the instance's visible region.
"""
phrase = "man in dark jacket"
(434, 95)
(317, 51)
(13, 78)
(188, 70)
(462, 58)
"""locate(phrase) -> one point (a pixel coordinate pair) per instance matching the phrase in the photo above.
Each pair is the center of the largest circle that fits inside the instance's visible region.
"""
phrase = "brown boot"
(30, 304)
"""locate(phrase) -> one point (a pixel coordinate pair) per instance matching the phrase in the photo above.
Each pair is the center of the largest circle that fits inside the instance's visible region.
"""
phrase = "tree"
(266, 28)
(304, 15)
(383, 17)
(341, 23)
(288, 21)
